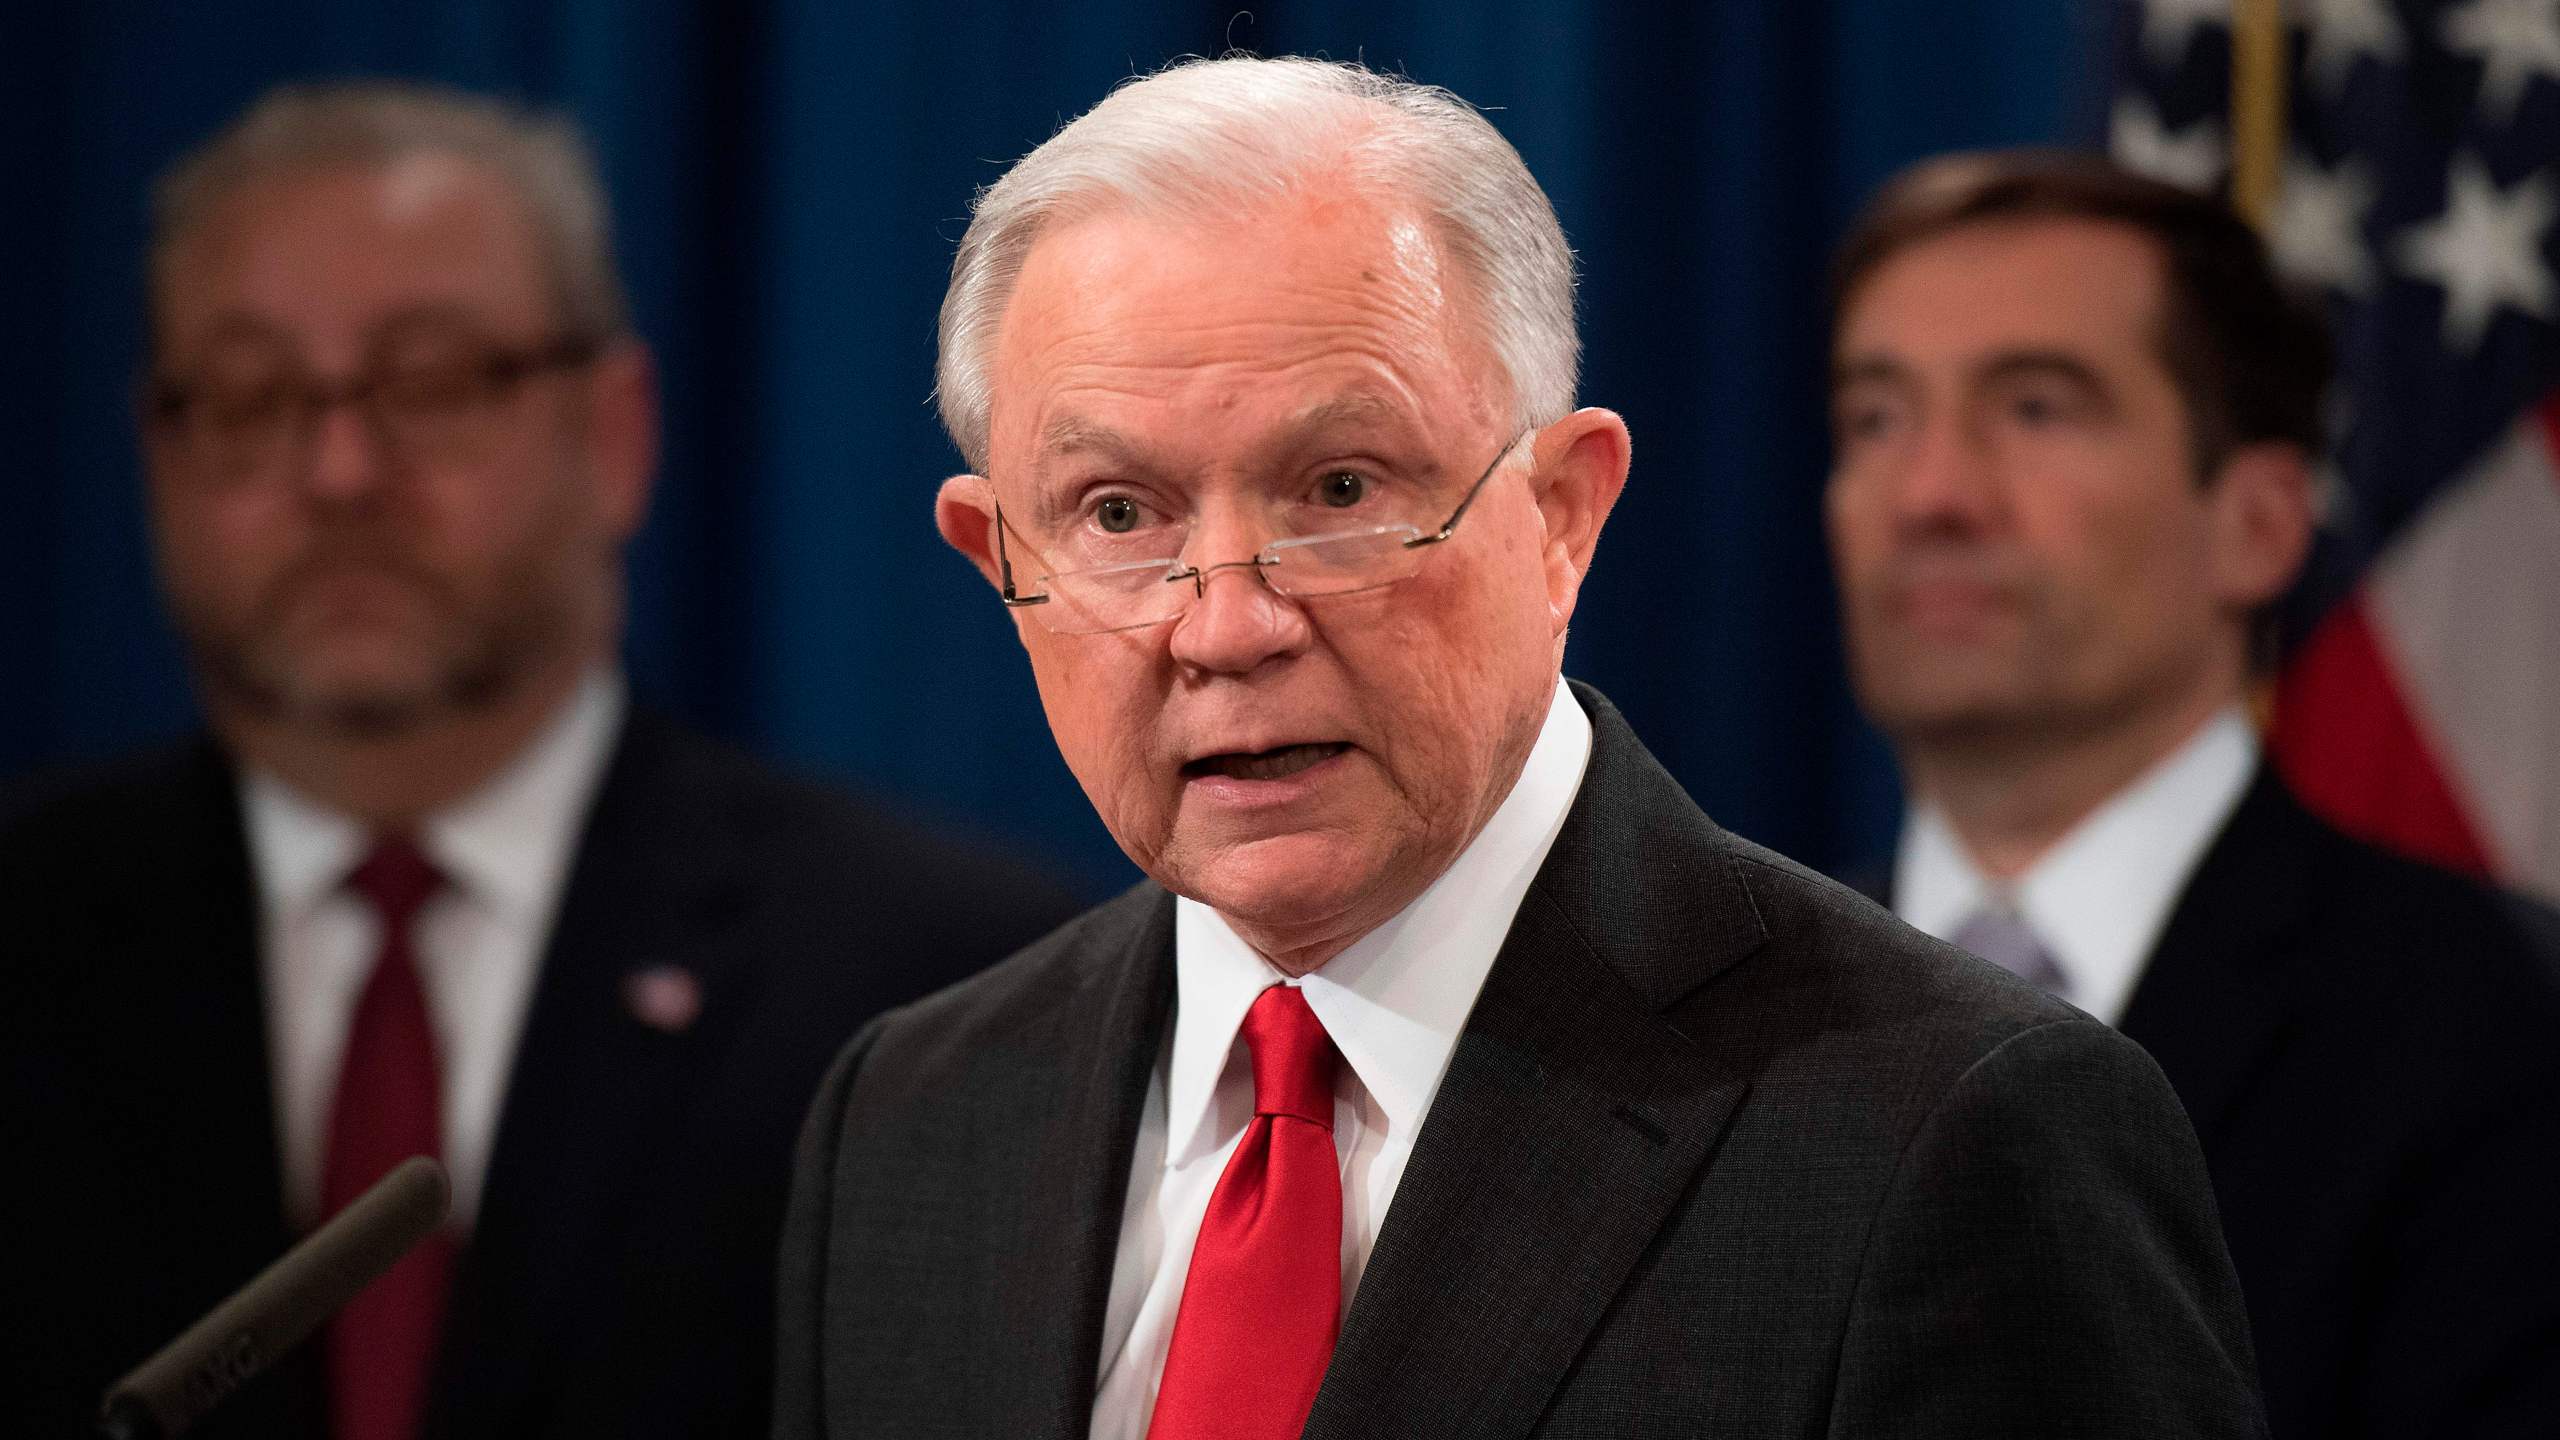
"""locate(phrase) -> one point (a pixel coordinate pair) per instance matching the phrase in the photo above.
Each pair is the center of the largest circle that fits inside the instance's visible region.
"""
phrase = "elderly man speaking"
(1452, 1074)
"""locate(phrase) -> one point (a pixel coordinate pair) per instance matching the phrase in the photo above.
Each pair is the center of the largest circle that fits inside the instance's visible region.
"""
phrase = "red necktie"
(382, 1345)
(1264, 1293)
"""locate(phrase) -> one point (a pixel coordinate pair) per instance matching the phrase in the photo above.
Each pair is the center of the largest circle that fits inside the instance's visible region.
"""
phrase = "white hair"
(1202, 138)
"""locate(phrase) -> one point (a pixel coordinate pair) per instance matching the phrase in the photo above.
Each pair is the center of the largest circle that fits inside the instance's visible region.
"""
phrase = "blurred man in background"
(432, 884)
(2075, 420)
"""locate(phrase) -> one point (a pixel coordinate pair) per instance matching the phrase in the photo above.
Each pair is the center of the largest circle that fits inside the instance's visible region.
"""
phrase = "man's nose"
(343, 457)
(1947, 479)
(1238, 623)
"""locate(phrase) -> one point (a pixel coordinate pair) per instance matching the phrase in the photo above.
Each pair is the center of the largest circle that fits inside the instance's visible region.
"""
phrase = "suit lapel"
(1060, 1230)
(212, 1132)
(2221, 988)
(215, 1001)
(655, 883)
(1572, 1120)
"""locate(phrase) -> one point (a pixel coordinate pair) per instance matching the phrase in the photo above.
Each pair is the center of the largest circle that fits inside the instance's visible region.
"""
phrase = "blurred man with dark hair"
(2075, 417)
(431, 885)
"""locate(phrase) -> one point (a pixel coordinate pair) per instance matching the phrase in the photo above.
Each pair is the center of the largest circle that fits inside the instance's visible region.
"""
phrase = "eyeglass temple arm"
(1450, 526)
(1004, 564)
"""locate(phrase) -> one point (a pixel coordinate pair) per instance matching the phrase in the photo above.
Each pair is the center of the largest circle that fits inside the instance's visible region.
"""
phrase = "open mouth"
(1277, 764)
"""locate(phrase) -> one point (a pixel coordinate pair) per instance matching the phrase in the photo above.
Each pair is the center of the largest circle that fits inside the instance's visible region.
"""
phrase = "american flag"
(2419, 190)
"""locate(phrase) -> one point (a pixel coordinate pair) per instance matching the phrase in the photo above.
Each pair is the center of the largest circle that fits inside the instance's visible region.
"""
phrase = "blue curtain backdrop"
(789, 176)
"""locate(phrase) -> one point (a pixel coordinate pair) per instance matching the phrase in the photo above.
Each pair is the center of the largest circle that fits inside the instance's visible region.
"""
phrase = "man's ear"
(965, 512)
(622, 433)
(2262, 521)
(1580, 465)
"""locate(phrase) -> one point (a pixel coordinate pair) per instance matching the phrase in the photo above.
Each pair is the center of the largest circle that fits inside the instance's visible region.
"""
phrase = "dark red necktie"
(1264, 1293)
(383, 1344)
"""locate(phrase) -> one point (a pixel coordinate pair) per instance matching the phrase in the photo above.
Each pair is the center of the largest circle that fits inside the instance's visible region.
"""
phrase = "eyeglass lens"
(1121, 597)
(250, 406)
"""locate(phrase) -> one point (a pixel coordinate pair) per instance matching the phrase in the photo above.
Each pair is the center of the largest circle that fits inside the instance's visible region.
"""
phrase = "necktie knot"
(1293, 1059)
(396, 878)
(2002, 936)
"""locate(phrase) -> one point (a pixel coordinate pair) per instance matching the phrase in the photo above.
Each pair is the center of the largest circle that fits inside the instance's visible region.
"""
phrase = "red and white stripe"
(2424, 713)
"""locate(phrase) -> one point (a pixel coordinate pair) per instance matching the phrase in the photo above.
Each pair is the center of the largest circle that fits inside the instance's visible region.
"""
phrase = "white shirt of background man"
(505, 852)
(2100, 897)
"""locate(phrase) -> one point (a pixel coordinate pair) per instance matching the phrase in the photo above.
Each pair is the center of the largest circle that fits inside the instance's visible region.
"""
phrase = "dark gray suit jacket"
(619, 1281)
(1724, 1150)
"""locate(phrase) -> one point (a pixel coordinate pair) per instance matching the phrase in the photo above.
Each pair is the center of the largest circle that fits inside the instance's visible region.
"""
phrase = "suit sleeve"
(2048, 1261)
(800, 1290)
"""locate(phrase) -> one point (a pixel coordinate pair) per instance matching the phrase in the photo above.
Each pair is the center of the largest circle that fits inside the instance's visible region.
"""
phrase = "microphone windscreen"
(287, 1301)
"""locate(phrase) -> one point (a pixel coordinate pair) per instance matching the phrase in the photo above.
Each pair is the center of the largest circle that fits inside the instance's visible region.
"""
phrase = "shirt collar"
(506, 844)
(302, 850)
(1394, 1001)
(510, 841)
(2101, 896)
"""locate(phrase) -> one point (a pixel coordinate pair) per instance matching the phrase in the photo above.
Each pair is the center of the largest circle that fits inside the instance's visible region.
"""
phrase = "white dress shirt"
(2101, 896)
(504, 852)
(1393, 1002)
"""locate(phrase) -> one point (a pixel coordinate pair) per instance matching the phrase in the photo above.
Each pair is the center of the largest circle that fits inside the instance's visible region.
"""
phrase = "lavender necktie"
(2003, 937)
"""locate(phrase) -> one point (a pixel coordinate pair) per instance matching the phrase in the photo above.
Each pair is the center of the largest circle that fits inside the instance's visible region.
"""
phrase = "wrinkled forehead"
(1309, 313)
(324, 256)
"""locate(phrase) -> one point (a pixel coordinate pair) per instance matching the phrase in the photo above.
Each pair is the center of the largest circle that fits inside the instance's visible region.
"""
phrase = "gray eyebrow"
(1073, 434)
(1352, 405)
(1079, 435)
(1318, 426)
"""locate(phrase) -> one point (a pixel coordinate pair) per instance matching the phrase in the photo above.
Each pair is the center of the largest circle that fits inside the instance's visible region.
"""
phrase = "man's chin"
(340, 711)
(1955, 697)
(1309, 883)
(357, 702)
(372, 714)
(1974, 722)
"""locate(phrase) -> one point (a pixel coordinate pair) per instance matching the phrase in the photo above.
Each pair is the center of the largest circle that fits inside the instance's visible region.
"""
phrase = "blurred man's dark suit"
(619, 1280)
(2370, 1051)
(1722, 1150)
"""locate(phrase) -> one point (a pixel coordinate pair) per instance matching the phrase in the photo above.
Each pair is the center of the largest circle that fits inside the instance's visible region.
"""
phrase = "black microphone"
(270, 1315)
